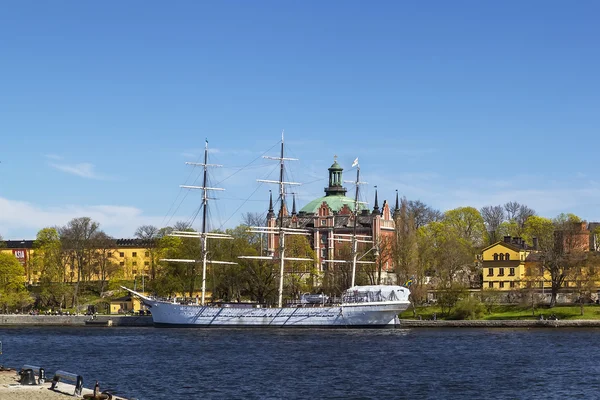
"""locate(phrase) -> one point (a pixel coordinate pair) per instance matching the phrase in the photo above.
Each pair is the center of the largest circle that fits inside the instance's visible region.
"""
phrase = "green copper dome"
(335, 203)
(335, 166)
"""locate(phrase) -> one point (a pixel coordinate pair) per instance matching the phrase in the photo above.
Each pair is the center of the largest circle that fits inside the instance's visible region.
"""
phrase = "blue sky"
(461, 103)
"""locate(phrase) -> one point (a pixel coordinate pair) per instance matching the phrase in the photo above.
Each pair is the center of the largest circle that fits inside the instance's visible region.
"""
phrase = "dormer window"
(495, 256)
(501, 257)
(507, 256)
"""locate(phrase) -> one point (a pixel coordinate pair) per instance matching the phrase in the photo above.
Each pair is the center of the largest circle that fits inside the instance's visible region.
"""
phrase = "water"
(152, 363)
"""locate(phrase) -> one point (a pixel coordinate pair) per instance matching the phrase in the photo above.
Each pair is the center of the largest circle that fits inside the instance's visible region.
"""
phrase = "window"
(512, 272)
(323, 222)
(501, 285)
(490, 271)
(323, 253)
(495, 256)
(121, 254)
(146, 263)
(500, 271)
(147, 254)
(110, 253)
(72, 274)
(134, 254)
(512, 284)
(501, 257)
(121, 263)
(507, 256)
(491, 284)
(134, 263)
(135, 271)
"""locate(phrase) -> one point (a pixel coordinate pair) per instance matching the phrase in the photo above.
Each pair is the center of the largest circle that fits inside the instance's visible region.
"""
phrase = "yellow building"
(503, 264)
(125, 305)
(132, 257)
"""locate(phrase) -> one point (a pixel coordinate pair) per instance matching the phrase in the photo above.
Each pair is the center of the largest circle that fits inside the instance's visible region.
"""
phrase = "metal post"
(203, 268)
(354, 244)
(281, 267)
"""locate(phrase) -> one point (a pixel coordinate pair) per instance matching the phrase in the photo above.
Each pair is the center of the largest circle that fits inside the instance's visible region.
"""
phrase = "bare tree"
(422, 214)
(512, 209)
(523, 215)
(566, 256)
(104, 257)
(493, 216)
(77, 238)
(149, 234)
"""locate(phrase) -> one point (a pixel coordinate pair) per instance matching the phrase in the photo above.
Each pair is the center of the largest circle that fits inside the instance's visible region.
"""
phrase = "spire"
(335, 187)
(294, 204)
(376, 207)
(271, 212)
(397, 208)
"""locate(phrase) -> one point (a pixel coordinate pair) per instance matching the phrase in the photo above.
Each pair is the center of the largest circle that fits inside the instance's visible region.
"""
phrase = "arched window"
(495, 256)
(501, 257)
(507, 256)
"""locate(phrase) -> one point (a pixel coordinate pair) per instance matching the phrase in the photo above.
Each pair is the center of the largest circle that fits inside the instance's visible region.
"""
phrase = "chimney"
(506, 239)
(535, 243)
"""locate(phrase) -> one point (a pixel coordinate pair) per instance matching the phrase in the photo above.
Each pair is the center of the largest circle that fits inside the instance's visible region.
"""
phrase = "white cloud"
(25, 219)
(84, 170)
(53, 157)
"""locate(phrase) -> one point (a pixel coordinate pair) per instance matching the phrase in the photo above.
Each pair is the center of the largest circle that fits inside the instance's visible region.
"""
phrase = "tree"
(566, 254)
(77, 239)
(492, 216)
(404, 248)
(297, 272)
(12, 282)
(518, 214)
(103, 258)
(467, 224)
(422, 214)
(149, 235)
(584, 279)
(47, 257)
(540, 228)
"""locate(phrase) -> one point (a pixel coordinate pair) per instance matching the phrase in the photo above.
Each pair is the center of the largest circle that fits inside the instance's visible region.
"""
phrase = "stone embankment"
(74, 320)
(582, 323)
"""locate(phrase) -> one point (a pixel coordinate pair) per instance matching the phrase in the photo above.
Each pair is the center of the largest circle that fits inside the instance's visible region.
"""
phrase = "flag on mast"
(355, 163)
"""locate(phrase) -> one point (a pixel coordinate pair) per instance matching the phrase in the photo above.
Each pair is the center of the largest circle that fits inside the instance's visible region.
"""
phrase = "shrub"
(469, 308)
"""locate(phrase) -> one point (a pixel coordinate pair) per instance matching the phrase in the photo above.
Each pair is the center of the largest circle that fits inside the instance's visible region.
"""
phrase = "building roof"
(510, 246)
(335, 166)
(121, 243)
(335, 203)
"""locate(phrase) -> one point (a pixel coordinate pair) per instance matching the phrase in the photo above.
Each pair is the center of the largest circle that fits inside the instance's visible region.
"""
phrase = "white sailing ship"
(360, 306)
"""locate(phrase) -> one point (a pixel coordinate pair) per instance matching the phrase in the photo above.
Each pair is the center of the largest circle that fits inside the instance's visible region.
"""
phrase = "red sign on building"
(21, 255)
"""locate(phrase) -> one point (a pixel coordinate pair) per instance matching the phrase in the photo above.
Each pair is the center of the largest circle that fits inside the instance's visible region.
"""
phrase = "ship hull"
(372, 315)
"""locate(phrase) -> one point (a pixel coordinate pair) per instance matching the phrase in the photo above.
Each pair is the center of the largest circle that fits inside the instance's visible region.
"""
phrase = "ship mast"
(281, 231)
(353, 238)
(204, 235)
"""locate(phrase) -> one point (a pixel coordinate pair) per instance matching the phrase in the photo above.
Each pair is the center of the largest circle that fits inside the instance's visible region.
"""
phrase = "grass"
(515, 312)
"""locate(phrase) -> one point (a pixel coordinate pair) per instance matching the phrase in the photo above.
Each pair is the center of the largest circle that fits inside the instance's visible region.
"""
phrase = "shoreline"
(504, 323)
(74, 320)
(9, 320)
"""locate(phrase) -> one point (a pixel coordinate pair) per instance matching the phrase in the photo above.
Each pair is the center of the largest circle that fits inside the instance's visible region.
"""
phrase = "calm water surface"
(153, 363)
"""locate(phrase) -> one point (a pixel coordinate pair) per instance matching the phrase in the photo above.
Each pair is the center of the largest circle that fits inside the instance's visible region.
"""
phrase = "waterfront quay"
(74, 320)
(146, 321)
